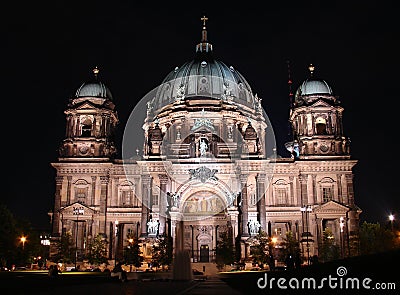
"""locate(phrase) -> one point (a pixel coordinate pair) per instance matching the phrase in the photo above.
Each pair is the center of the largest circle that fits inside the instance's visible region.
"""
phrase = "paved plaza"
(36, 282)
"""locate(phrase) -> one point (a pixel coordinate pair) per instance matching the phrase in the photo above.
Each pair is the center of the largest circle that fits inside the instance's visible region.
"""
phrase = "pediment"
(321, 103)
(70, 211)
(331, 208)
(87, 105)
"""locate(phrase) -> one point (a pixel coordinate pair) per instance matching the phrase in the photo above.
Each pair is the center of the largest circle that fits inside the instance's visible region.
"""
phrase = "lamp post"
(77, 211)
(115, 242)
(391, 218)
(305, 209)
(130, 241)
(341, 225)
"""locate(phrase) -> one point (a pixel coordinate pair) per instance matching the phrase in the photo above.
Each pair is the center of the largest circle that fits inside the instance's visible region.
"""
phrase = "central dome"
(205, 77)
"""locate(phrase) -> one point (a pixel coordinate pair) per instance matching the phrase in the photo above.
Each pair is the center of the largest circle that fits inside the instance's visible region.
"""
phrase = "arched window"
(127, 194)
(320, 125)
(281, 193)
(81, 191)
(327, 189)
(87, 127)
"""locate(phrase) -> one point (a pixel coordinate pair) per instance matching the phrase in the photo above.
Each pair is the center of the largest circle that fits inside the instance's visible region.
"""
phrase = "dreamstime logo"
(330, 281)
(341, 271)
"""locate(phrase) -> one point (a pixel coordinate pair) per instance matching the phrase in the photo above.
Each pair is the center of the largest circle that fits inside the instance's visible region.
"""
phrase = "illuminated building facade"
(208, 160)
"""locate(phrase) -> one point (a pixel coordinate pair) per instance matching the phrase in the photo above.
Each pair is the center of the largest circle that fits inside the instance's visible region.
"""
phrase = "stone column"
(245, 215)
(57, 206)
(339, 188)
(93, 194)
(350, 191)
(314, 189)
(163, 202)
(310, 190)
(261, 200)
(303, 189)
(292, 201)
(103, 201)
(69, 178)
(233, 216)
(146, 193)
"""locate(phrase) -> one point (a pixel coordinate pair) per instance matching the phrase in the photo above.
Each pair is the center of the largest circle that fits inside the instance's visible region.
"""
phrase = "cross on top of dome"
(204, 46)
(204, 19)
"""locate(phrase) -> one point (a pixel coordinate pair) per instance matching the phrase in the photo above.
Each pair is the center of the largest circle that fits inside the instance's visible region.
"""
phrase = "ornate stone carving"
(203, 174)
(180, 93)
(104, 179)
(199, 122)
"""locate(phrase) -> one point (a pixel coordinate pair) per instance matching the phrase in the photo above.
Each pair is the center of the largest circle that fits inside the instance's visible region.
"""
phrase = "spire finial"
(311, 68)
(204, 32)
(96, 72)
(204, 19)
(204, 46)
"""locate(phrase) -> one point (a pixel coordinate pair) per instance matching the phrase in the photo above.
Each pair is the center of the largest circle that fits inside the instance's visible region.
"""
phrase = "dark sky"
(48, 50)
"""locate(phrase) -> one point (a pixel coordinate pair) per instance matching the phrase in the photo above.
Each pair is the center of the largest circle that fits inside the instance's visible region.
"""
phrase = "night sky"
(49, 50)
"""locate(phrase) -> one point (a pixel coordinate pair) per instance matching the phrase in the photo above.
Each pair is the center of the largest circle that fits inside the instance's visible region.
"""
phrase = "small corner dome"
(313, 87)
(94, 88)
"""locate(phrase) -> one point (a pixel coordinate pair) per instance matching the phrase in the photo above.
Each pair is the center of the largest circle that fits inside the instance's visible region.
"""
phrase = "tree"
(225, 250)
(97, 250)
(12, 250)
(65, 249)
(132, 253)
(260, 251)
(8, 236)
(162, 252)
(329, 250)
(291, 250)
(374, 238)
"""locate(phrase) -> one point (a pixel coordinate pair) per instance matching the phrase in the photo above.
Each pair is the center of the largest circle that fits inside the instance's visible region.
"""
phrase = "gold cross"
(204, 19)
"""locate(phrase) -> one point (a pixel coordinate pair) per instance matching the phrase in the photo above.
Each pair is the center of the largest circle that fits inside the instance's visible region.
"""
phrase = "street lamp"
(23, 240)
(77, 211)
(306, 209)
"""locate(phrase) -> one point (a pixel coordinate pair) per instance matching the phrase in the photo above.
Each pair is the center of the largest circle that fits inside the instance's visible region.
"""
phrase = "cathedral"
(208, 162)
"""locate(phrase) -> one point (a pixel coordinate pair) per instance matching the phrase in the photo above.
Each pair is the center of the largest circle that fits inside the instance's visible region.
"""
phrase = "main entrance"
(204, 253)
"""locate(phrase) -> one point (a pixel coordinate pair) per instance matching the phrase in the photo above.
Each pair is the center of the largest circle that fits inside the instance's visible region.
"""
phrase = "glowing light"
(311, 68)
(274, 240)
(391, 217)
(23, 240)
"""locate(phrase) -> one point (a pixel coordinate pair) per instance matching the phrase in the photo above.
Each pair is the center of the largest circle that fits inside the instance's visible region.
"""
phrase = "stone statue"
(230, 198)
(152, 227)
(203, 147)
(174, 200)
(254, 226)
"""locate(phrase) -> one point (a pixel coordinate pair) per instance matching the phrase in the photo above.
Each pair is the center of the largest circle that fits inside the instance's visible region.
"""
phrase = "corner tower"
(316, 120)
(91, 121)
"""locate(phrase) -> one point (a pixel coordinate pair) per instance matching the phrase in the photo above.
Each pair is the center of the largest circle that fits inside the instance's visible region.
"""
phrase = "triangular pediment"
(331, 208)
(321, 103)
(87, 105)
(77, 209)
